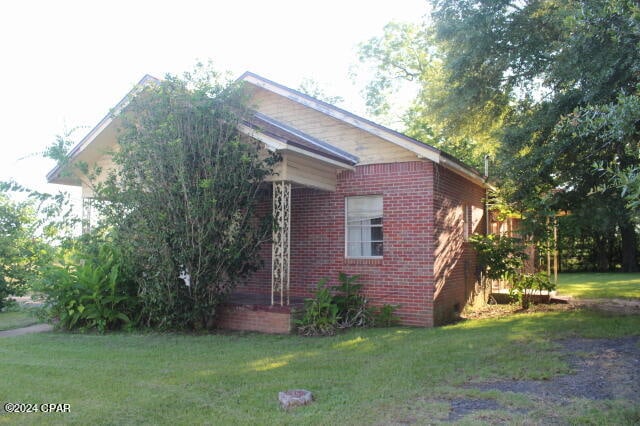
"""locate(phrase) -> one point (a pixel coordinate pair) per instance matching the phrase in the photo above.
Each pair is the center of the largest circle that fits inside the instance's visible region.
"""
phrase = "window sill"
(363, 261)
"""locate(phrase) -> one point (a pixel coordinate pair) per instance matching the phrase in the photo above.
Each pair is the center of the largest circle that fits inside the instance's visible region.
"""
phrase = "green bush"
(386, 316)
(89, 289)
(352, 306)
(500, 257)
(326, 312)
(320, 313)
(182, 196)
(22, 249)
(524, 285)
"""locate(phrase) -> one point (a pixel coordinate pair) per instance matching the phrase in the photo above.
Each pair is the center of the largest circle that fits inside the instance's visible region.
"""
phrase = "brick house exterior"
(358, 198)
(428, 268)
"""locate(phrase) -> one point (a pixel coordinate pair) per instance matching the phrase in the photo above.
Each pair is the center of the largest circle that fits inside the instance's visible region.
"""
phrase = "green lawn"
(376, 376)
(600, 285)
(17, 319)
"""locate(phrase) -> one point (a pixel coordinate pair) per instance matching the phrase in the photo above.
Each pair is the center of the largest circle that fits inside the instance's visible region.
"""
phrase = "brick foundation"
(261, 318)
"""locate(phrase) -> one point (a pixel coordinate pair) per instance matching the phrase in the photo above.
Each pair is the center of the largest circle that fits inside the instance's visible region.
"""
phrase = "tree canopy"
(548, 87)
(28, 227)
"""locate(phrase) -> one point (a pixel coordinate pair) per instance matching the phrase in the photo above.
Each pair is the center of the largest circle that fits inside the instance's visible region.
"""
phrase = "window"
(364, 226)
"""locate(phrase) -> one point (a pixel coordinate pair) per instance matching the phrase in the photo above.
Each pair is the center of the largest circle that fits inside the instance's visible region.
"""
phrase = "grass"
(375, 376)
(22, 317)
(600, 285)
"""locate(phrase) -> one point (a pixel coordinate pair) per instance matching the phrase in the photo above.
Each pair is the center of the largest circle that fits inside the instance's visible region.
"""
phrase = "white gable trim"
(103, 124)
(273, 144)
(421, 150)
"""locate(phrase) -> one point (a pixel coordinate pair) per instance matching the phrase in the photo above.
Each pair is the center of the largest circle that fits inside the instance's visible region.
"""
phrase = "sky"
(65, 63)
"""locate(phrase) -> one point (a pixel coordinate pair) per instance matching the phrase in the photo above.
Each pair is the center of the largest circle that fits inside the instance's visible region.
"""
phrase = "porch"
(254, 312)
(306, 163)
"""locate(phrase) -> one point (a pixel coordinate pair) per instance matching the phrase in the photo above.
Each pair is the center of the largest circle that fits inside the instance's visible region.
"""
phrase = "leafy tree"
(182, 196)
(314, 89)
(551, 84)
(21, 251)
(406, 56)
(616, 126)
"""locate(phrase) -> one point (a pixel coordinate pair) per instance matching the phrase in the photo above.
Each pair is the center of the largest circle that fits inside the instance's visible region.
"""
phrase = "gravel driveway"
(602, 369)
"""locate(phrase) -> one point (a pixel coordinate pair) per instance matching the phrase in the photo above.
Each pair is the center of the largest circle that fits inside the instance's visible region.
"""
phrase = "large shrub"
(183, 196)
(500, 257)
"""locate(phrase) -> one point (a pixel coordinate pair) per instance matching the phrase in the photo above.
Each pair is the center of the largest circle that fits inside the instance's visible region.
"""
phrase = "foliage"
(320, 313)
(339, 307)
(385, 316)
(550, 86)
(500, 257)
(90, 288)
(352, 305)
(405, 57)
(550, 66)
(315, 90)
(22, 252)
(526, 285)
(614, 126)
(183, 194)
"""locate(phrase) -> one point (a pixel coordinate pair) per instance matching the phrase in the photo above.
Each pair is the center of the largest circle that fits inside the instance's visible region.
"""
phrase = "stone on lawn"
(294, 398)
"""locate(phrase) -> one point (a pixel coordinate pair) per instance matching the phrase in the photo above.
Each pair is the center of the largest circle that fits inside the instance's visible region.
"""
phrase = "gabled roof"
(293, 137)
(104, 123)
(421, 149)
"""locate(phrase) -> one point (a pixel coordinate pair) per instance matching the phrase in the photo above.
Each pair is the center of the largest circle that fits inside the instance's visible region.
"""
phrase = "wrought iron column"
(280, 245)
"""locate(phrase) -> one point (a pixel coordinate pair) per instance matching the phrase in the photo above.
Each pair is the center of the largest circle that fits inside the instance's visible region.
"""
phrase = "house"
(349, 195)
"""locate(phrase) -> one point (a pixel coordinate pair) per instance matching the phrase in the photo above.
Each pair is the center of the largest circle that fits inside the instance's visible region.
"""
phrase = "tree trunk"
(602, 254)
(629, 246)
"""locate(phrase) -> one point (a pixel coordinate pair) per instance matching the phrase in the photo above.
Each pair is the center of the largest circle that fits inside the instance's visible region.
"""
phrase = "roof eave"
(145, 81)
(276, 144)
(421, 149)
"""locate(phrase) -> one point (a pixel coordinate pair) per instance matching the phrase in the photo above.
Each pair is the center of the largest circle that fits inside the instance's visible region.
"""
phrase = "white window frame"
(346, 228)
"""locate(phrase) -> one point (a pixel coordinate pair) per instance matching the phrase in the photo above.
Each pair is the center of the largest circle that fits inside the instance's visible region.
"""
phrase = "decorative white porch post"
(280, 246)
(86, 214)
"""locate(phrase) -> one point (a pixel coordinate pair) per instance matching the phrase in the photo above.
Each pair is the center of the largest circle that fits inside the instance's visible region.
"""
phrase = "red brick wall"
(417, 227)
(255, 318)
(260, 281)
(455, 272)
(404, 276)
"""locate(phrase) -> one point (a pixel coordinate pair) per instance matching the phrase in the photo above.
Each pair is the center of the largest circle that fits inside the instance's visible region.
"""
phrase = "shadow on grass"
(361, 376)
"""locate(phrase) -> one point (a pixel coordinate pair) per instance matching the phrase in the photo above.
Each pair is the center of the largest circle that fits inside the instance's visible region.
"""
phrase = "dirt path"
(38, 328)
(617, 306)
